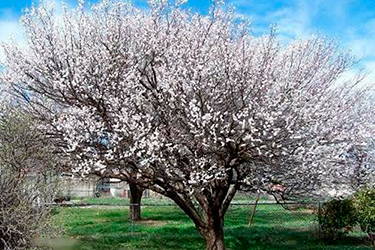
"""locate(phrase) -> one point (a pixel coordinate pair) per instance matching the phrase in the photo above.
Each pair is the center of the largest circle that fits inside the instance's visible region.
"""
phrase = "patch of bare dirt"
(151, 222)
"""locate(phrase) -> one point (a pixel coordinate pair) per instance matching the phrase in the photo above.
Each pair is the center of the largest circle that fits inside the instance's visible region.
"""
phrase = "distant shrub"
(27, 181)
(21, 217)
(337, 217)
(365, 204)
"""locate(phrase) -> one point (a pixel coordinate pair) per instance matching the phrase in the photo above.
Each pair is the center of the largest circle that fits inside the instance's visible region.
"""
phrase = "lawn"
(166, 227)
(152, 201)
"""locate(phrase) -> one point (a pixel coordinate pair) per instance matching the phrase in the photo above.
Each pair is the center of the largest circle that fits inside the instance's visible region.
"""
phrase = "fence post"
(251, 221)
(319, 212)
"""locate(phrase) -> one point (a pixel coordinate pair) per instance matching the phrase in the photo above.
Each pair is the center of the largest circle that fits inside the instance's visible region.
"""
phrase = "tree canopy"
(191, 106)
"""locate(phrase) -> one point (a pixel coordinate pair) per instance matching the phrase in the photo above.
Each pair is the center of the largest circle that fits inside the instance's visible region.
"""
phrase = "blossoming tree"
(191, 106)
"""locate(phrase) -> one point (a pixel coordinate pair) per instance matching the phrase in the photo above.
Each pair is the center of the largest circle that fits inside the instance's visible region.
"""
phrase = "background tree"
(191, 106)
(26, 180)
(362, 160)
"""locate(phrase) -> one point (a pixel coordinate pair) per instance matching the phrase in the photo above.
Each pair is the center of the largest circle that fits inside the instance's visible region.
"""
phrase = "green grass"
(169, 228)
(153, 201)
(113, 201)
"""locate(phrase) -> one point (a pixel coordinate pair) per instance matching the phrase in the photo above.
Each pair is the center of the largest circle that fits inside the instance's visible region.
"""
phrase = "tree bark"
(213, 231)
(214, 238)
(208, 214)
(135, 201)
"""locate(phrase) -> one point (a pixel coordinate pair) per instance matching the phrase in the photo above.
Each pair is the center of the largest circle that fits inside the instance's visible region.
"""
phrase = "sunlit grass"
(167, 227)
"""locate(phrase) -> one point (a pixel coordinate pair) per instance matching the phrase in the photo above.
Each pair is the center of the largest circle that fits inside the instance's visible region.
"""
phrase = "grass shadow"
(169, 228)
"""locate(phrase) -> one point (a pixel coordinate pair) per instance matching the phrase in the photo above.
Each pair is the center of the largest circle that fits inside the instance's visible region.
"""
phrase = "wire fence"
(264, 223)
(270, 218)
(272, 215)
(301, 215)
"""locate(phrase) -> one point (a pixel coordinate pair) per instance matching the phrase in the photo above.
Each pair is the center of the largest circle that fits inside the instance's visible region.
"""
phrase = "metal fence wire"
(266, 222)
(299, 216)
(292, 216)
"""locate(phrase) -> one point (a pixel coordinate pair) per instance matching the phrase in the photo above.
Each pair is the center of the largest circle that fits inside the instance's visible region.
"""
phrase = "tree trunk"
(208, 214)
(135, 201)
(214, 238)
(213, 231)
(251, 221)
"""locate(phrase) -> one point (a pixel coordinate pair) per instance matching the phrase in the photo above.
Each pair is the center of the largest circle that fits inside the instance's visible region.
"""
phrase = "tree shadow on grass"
(165, 213)
(259, 237)
(168, 237)
(169, 228)
(160, 228)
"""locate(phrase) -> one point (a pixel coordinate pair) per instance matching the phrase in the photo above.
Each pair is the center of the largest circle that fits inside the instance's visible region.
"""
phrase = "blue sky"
(351, 22)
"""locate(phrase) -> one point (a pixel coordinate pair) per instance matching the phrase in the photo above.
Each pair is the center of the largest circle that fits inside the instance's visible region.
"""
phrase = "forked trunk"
(214, 239)
(135, 201)
(208, 214)
(213, 232)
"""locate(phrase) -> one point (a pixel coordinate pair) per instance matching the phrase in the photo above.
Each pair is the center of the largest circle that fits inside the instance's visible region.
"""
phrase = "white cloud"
(361, 41)
(293, 19)
(10, 29)
(302, 18)
(369, 67)
(10, 26)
